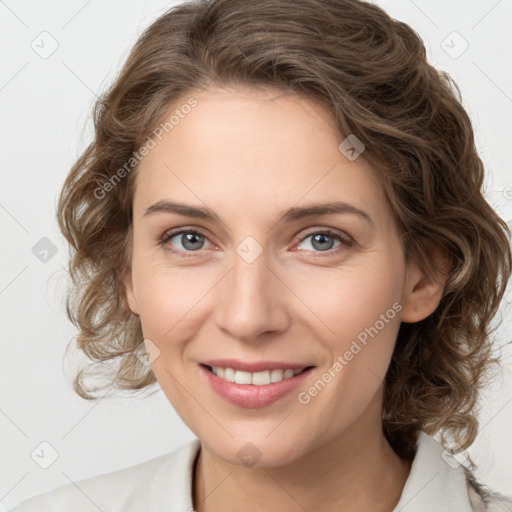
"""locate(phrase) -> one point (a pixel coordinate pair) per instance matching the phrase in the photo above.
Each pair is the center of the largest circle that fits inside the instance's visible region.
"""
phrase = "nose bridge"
(251, 300)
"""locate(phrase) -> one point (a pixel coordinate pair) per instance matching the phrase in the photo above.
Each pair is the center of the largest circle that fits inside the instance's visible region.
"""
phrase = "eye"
(325, 240)
(185, 240)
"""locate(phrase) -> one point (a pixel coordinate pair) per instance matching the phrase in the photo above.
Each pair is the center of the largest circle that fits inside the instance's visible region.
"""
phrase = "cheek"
(360, 314)
(348, 300)
(168, 297)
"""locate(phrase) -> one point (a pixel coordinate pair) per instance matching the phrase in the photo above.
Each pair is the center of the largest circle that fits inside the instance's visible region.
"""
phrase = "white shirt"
(164, 484)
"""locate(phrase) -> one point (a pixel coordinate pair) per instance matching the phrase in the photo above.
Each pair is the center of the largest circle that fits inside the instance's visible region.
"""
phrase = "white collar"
(436, 481)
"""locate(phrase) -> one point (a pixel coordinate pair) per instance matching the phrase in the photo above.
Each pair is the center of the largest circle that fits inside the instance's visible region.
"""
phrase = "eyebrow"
(288, 215)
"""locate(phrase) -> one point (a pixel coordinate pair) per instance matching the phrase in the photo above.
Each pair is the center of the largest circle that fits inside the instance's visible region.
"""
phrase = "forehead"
(245, 149)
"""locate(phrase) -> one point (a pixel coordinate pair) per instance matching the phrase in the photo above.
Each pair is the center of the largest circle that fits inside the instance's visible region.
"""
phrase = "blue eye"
(325, 240)
(189, 239)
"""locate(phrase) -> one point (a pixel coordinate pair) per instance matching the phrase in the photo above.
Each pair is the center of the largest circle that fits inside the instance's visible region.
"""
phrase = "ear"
(423, 292)
(128, 291)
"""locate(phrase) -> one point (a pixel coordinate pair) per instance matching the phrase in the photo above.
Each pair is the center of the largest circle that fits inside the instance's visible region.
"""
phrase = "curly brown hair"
(372, 73)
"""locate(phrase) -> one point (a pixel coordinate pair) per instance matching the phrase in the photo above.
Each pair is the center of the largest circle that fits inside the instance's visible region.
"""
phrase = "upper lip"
(255, 366)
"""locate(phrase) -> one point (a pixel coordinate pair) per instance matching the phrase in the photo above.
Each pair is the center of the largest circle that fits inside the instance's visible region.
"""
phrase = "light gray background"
(45, 123)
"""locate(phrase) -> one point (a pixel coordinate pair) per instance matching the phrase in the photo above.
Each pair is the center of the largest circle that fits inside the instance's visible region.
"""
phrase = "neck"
(352, 472)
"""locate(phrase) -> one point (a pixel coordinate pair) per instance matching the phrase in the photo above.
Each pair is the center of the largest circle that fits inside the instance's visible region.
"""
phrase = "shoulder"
(445, 484)
(155, 483)
(484, 499)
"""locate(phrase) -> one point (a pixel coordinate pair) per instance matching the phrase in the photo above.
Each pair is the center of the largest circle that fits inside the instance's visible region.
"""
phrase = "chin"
(256, 451)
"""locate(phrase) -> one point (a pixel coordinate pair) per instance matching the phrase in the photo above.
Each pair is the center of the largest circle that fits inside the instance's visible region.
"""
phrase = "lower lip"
(250, 395)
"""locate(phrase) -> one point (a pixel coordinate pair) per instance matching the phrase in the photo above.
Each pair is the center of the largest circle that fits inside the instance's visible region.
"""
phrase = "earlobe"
(128, 291)
(423, 292)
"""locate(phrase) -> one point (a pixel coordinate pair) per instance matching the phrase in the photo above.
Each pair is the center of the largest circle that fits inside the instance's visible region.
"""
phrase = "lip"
(251, 395)
(257, 366)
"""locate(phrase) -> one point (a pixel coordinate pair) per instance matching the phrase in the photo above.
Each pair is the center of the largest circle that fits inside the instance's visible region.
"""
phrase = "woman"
(240, 138)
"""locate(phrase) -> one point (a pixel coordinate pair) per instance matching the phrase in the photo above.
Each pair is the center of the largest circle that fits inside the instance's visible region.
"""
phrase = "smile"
(253, 385)
(262, 378)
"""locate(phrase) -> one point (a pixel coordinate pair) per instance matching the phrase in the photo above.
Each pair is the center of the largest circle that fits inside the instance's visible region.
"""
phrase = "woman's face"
(265, 277)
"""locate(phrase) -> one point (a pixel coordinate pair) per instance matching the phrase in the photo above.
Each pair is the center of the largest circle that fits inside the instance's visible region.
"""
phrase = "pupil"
(321, 239)
(189, 239)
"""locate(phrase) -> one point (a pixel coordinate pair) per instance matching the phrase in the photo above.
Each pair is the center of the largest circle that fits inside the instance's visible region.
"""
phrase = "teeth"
(276, 375)
(229, 374)
(257, 378)
(243, 377)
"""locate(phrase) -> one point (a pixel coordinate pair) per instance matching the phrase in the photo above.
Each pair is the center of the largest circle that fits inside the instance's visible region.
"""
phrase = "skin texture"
(248, 155)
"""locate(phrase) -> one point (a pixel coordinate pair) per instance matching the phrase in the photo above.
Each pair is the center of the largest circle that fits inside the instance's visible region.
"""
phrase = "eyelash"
(346, 241)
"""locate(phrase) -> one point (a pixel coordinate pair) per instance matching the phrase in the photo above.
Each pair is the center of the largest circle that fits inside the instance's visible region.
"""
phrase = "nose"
(251, 301)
